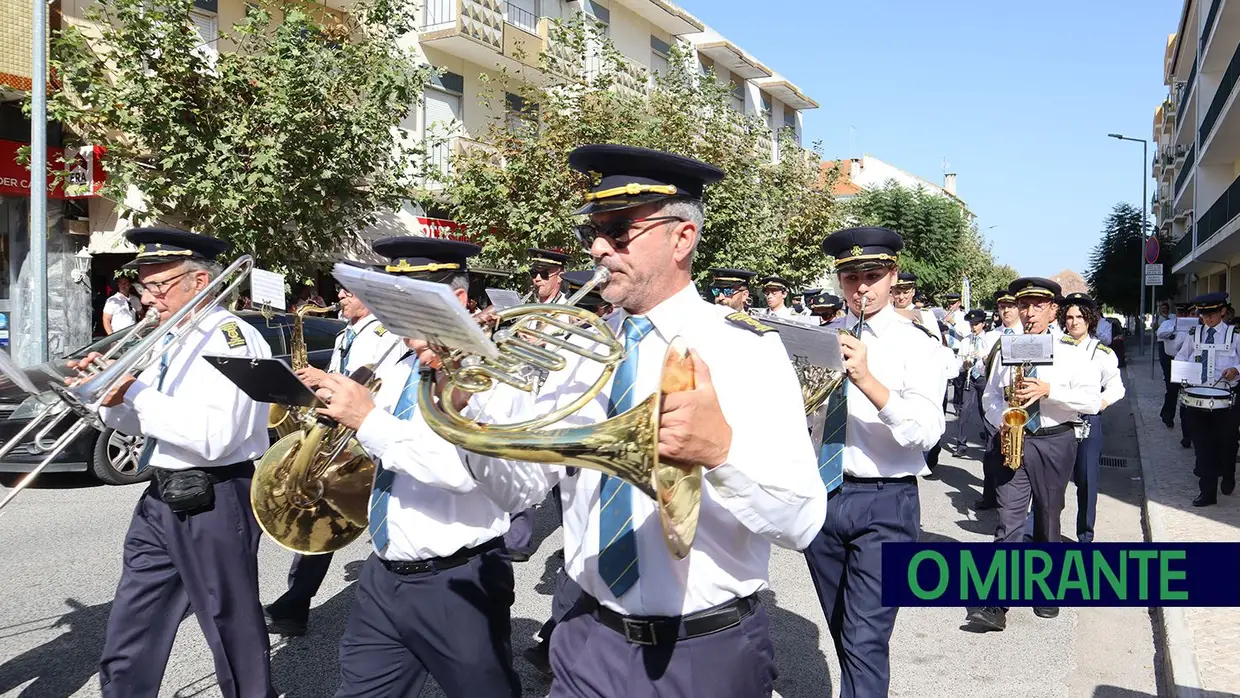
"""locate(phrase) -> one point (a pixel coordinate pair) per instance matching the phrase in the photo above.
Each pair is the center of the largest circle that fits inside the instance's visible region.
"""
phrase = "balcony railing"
(1220, 98)
(1188, 86)
(1224, 209)
(1185, 169)
(439, 14)
(1205, 32)
(522, 18)
(1184, 246)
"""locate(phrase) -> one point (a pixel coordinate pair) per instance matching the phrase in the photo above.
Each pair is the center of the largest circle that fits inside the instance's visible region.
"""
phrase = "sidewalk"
(1202, 644)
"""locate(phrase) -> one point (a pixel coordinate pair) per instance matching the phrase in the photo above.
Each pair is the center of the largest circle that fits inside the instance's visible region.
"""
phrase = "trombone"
(85, 395)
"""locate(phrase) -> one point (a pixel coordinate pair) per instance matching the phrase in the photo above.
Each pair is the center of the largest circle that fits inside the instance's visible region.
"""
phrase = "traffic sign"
(1153, 269)
(1154, 279)
(1151, 249)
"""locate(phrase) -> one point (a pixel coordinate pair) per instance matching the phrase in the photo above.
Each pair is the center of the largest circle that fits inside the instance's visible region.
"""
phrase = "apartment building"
(868, 172)
(1197, 162)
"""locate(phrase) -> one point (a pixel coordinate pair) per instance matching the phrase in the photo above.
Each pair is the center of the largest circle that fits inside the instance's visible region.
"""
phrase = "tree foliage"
(941, 244)
(287, 146)
(1115, 265)
(766, 216)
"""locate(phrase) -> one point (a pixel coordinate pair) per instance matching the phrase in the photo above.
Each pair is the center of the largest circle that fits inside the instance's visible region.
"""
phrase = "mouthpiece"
(601, 275)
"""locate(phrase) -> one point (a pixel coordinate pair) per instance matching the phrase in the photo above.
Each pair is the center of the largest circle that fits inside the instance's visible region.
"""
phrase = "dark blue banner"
(1064, 574)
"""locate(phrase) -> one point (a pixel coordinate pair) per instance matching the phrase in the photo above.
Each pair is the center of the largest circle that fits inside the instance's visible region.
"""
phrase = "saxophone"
(1015, 417)
(286, 419)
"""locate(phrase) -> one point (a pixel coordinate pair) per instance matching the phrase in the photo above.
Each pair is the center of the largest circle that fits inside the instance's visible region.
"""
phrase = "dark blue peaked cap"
(860, 248)
(164, 245)
(426, 258)
(634, 176)
(1210, 301)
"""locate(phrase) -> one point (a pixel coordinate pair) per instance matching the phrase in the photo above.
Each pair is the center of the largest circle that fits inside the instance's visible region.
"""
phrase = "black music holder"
(265, 380)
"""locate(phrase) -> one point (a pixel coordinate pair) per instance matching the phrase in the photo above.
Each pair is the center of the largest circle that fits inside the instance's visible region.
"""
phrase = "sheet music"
(267, 288)
(816, 346)
(503, 298)
(1189, 372)
(1184, 324)
(1037, 349)
(416, 309)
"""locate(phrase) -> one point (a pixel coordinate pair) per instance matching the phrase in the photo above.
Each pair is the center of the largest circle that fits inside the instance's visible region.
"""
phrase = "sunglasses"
(541, 273)
(616, 230)
(725, 291)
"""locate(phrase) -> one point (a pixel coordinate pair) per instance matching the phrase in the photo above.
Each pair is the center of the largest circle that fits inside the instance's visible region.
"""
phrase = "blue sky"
(1018, 97)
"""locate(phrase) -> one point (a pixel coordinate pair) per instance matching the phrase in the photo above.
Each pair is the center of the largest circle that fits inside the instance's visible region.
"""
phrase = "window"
(660, 52)
(441, 118)
(767, 112)
(738, 95)
(601, 15)
(790, 123)
(523, 14)
(705, 65)
(518, 113)
(208, 34)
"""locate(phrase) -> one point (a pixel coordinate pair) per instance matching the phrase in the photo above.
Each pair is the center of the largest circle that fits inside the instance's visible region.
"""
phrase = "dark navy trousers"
(207, 561)
(845, 562)
(1041, 479)
(1085, 477)
(1214, 446)
(590, 660)
(454, 624)
(305, 576)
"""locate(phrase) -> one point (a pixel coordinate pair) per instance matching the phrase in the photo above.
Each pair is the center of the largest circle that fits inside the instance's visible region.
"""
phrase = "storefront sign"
(85, 178)
(443, 228)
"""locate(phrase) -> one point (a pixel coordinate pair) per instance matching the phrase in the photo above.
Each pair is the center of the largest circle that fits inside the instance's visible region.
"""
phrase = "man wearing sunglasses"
(646, 623)
(730, 287)
(547, 275)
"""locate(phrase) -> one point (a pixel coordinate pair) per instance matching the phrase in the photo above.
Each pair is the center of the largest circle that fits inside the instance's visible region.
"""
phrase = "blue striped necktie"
(148, 446)
(617, 557)
(345, 346)
(834, 434)
(1034, 410)
(382, 490)
(1205, 355)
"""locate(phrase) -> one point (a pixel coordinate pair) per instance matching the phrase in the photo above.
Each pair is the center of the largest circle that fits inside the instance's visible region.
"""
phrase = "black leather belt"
(438, 564)
(906, 480)
(653, 630)
(1051, 431)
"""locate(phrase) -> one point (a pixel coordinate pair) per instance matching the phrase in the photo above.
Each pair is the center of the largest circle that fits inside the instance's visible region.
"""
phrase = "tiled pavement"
(1203, 643)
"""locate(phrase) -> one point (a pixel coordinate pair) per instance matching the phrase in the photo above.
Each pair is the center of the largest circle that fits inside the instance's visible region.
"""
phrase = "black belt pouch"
(185, 491)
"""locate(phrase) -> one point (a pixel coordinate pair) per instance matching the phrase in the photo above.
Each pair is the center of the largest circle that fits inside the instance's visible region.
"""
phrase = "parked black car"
(110, 456)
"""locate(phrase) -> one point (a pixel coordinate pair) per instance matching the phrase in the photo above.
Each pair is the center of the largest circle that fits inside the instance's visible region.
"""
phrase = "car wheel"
(116, 458)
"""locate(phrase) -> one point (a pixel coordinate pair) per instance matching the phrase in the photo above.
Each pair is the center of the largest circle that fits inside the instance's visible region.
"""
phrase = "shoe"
(1186, 443)
(519, 557)
(983, 505)
(990, 618)
(1046, 611)
(1204, 501)
(539, 657)
(1228, 486)
(283, 626)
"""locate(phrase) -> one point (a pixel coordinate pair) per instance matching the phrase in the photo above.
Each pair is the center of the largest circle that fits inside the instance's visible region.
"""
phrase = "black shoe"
(1046, 611)
(1228, 486)
(539, 657)
(283, 626)
(990, 618)
(519, 557)
(1186, 443)
(984, 504)
(1204, 501)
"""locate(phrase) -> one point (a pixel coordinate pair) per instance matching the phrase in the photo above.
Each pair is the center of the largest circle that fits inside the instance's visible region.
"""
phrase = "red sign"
(444, 229)
(1151, 250)
(85, 178)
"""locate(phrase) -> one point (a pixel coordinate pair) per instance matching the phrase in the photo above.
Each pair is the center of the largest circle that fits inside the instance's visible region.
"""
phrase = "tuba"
(1015, 417)
(286, 419)
(625, 446)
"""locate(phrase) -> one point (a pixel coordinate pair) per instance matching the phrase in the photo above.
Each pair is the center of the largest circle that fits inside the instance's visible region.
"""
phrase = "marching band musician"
(879, 423)
(826, 307)
(1008, 324)
(972, 357)
(801, 301)
(648, 624)
(1055, 396)
(730, 287)
(903, 291)
(193, 539)
(435, 596)
(1172, 335)
(363, 341)
(1213, 432)
(775, 288)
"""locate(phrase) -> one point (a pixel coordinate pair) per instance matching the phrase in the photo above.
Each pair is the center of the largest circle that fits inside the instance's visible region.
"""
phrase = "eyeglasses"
(542, 273)
(159, 288)
(725, 291)
(616, 230)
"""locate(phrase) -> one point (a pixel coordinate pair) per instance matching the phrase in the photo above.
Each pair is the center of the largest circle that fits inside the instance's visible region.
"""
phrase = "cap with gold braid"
(165, 245)
(543, 259)
(774, 281)
(1002, 296)
(635, 176)
(429, 259)
(905, 280)
(730, 277)
(1034, 287)
(858, 249)
(1210, 302)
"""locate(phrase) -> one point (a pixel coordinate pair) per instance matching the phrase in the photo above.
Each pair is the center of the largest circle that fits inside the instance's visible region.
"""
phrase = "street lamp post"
(1145, 161)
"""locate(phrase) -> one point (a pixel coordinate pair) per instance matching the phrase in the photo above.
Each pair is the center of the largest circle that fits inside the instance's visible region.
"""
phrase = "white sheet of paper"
(1184, 324)
(1036, 349)
(1188, 372)
(267, 288)
(417, 309)
(816, 346)
(503, 298)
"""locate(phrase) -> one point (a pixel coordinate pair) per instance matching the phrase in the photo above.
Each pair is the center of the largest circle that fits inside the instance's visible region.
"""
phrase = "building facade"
(868, 172)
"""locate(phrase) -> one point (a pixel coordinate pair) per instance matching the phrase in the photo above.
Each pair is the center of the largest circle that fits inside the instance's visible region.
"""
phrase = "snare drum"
(1204, 398)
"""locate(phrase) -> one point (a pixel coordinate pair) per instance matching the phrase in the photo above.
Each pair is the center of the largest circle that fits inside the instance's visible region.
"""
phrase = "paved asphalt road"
(61, 562)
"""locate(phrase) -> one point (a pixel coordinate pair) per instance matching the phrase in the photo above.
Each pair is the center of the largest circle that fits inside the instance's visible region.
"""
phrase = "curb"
(1180, 662)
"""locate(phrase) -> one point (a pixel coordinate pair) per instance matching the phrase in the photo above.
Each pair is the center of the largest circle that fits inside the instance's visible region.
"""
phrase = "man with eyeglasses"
(1055, 396)
(730, 287)
(648, 624)
(362, 342)
(775, 288)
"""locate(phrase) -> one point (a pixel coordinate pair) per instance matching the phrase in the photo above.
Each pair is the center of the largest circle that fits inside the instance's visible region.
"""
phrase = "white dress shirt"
(372, 344)
(767, 490)
(1075, 387)
(890, 442)
(973, 349)
(123, 309)
(784, 312)
(1226, 343)
(436, 507)
(1108, 366)
(1104, 331)
(1172, 335)
(199, 418)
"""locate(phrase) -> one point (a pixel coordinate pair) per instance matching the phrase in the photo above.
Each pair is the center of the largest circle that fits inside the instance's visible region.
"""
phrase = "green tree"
(769, 217)
(1113, 275)
(287, 146)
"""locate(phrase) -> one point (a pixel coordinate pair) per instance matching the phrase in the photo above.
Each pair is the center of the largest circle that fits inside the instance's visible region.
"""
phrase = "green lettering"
(1166, 575)
(944, 575)
(1072, 576)
(1102, 568)
(1143, 571)
(1037, 577)
(971, 577)
(1014, 585)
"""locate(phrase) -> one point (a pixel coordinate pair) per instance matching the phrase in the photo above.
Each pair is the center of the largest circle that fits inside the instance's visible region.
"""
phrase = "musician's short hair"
(212, 268)
(690, 210)
(459, 282)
